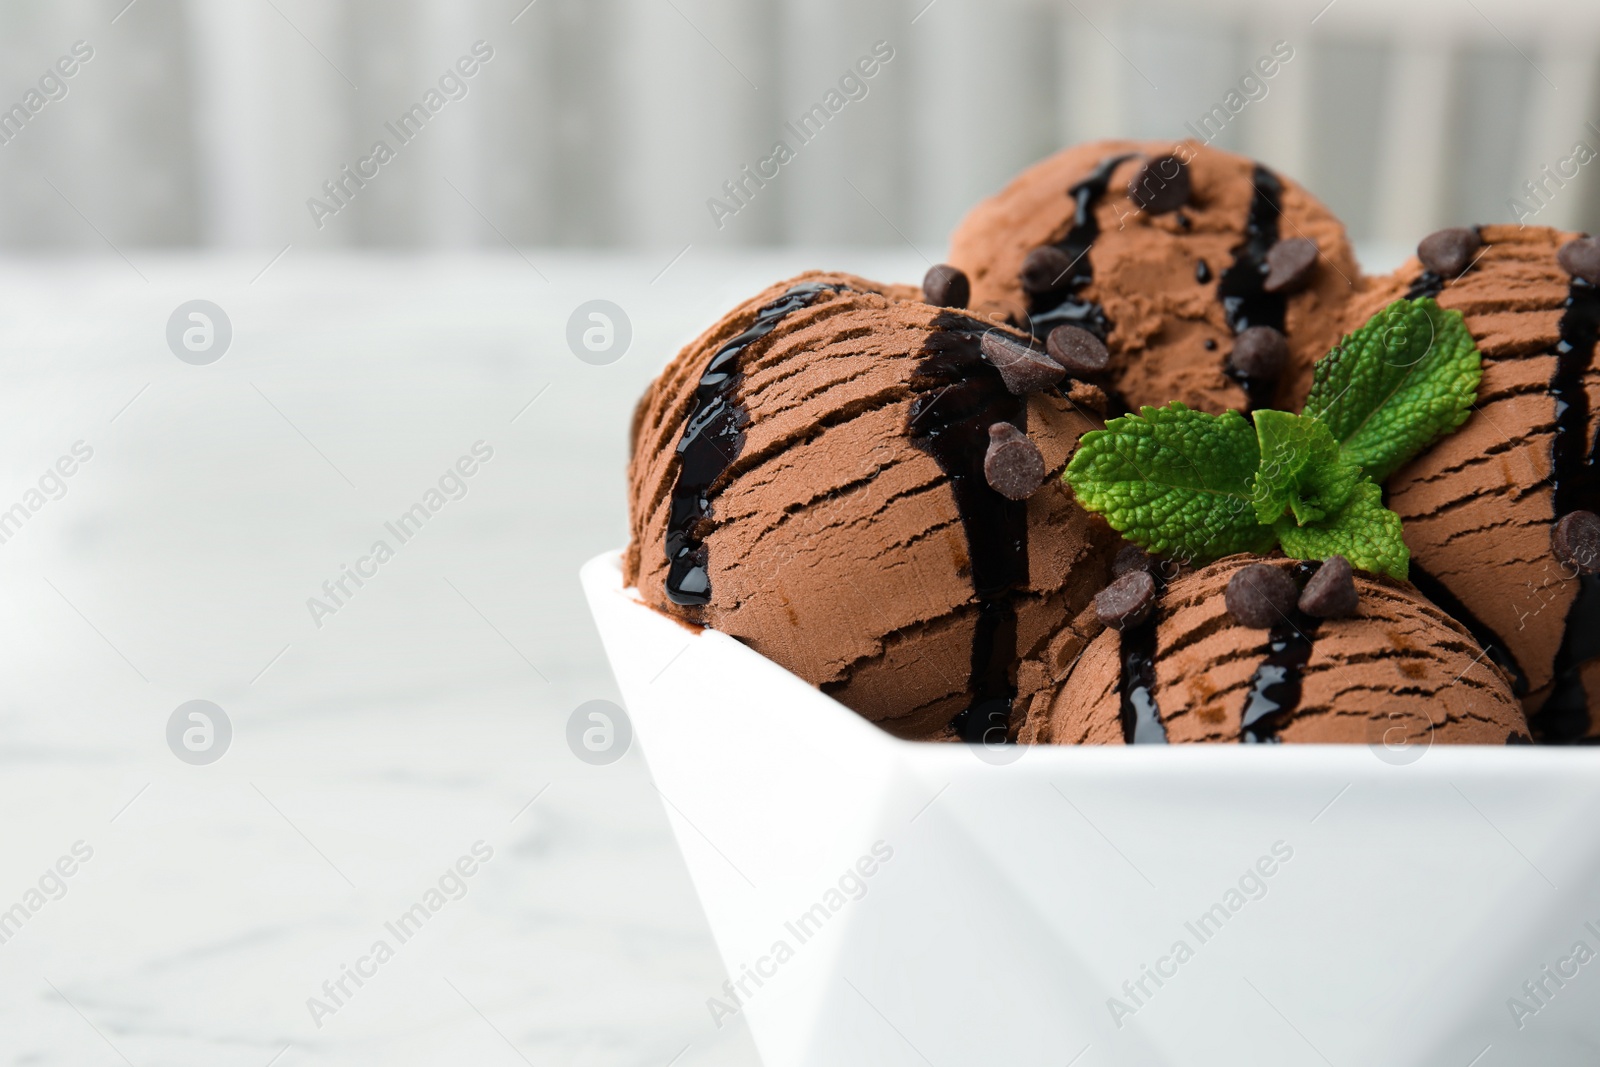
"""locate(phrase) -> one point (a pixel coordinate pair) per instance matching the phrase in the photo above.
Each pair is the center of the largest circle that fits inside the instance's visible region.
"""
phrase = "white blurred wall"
(611, 122)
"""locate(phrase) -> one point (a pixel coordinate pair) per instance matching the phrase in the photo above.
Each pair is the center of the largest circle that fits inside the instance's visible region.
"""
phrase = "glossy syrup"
(1141, 716)
(1427, 284)
(1242, 286)
(1575, 474)
(1046, 311)
(713, 434)
(959, 395)
(1276, 684)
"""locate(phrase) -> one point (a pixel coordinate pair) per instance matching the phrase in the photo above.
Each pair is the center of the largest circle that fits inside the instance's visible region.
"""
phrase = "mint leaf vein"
(1388, 390)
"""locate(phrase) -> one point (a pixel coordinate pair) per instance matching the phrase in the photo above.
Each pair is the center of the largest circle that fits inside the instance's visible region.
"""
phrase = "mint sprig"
(1195, 486)
(1301, 470)
(1406, 378)
(1174, 480)
(1363, 531)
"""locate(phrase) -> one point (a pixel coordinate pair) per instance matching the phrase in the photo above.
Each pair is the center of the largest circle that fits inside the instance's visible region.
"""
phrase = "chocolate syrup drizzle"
(1141, 716)
(1046, 311)
(713, 434)
(1575, 474)
(1275, 686)
(1242, 287)
(959, 395)
(1427, 284)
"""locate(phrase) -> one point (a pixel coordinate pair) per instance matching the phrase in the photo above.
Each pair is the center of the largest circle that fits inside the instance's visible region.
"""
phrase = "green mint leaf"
(1174, 481)
(1301, 470)
(1364, 532)
(1407, 377)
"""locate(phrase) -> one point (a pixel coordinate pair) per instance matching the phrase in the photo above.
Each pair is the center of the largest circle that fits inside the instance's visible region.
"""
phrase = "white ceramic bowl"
(885, 902)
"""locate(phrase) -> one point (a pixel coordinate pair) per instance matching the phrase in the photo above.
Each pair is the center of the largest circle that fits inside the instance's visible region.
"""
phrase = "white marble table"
(427, 713)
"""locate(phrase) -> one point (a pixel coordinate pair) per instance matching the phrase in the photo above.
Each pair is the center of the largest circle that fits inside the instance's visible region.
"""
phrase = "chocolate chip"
(1449, 252)
(945, 286)
(1045, 269)
(1013, 466)
(1126, 602)
(1290, 264)
(1581, 259)
(1331, 592)
(1024, 370)
(1576, 541)
(1259, 352)
(1161, 185)
(1261, 595)
(1131, 558)
(1080, 352)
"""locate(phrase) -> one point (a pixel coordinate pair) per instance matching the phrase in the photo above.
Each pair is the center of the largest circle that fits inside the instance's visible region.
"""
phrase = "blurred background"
(539, 155)
(610, 123)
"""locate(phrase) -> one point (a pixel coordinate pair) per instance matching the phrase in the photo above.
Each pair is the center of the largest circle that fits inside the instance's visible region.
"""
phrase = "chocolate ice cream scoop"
(1481, 507)
(1167, 264)
(809, 476)
(1396, 671)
